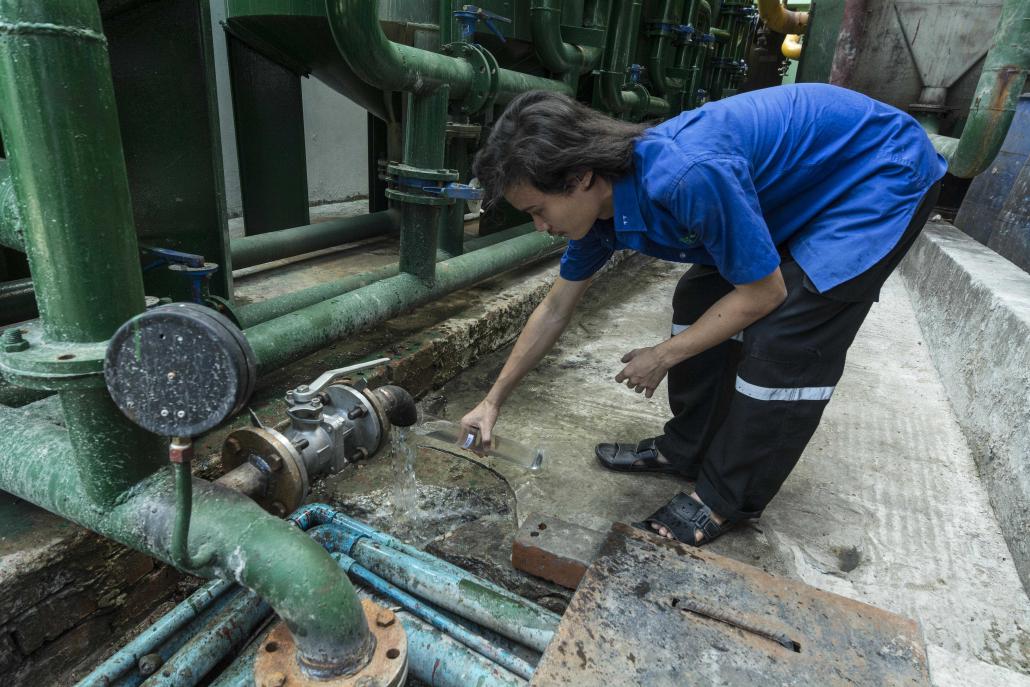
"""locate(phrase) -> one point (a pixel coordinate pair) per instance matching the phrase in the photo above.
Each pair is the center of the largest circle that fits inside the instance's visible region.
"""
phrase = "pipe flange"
(485, 74)
(276, 662)
(30, 360)
(288, 476)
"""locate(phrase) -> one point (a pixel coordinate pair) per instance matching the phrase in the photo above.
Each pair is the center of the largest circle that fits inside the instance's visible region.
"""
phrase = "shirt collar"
(627, 207)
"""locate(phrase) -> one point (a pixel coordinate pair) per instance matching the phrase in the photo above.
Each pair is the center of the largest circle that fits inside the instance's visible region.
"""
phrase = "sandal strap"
(685, 517)
(647, 450)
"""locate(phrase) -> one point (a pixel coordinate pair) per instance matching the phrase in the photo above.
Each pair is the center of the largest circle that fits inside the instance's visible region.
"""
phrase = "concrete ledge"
(974, 309)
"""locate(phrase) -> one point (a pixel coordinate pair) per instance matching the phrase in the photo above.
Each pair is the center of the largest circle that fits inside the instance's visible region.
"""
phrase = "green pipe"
(276, 245)
(293, 336)
(555, 54)
(283, 565)
(425, 138)
(621, 36)
(17, 300)
(10, 221)
(395, 67)
(660, 48)
(994, 100)
(68, 167)
(451, 238)
(251, 315)
(180, 551)
(68, 171)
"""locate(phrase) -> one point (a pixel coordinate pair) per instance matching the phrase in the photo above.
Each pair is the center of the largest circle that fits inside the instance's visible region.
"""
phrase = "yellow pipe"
(780, 19)
(791, 47)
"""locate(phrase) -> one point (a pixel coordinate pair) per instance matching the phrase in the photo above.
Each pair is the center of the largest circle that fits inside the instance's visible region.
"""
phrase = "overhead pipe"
(994, 100)
(554, 53)
(290, 337)
(285, 567)
(256, 313)
(780, 19)
(622, 33)
(396, 67)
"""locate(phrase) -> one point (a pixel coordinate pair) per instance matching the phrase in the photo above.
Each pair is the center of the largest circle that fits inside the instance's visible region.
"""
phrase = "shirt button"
(683, 255)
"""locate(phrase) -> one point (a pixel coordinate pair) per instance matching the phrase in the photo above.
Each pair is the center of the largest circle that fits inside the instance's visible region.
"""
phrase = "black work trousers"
(744, 410)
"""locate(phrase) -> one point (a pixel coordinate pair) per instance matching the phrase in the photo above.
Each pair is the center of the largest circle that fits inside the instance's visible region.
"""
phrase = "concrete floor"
(885, 506)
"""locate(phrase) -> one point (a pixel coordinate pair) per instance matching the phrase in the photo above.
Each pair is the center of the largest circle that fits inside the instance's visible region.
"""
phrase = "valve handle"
(470, 15)
(306, 392)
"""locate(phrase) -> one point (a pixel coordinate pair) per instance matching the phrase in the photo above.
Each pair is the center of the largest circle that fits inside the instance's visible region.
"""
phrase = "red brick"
(554, 549)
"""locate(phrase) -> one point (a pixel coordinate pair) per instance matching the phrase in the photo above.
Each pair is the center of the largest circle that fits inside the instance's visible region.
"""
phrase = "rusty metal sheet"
(655, 612)
(555, 550)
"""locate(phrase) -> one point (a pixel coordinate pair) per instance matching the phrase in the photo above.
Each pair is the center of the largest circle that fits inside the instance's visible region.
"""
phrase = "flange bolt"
(13, 341)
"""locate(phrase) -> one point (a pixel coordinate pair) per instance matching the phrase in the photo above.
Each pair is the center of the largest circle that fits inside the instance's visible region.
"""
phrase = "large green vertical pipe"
(451, 238)
(997, 92)
(292, 572)
(425, 137)
(60, 128)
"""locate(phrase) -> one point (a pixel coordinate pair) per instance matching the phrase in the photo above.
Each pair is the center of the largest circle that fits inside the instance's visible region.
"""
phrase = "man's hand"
(480, 419)
(645, 370)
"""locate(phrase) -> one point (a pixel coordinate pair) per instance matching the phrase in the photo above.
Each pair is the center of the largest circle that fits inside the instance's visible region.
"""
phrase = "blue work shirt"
(828, 173)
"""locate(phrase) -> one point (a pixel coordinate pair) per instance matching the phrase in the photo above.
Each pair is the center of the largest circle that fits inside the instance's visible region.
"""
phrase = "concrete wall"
(334, 127)
(974, 309)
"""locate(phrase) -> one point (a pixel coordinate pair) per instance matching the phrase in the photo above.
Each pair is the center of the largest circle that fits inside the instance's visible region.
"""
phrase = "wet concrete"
(885, 506)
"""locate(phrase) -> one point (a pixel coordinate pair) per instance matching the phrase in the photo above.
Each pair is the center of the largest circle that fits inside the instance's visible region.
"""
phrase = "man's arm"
(741, 307)
(543, 328)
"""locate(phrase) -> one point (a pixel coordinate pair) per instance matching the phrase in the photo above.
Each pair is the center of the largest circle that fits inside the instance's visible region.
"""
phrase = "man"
(794, 205)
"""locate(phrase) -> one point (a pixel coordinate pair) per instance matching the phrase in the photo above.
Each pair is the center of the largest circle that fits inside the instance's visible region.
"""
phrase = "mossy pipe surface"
(268, 555)
(10, 219)
(555, 54)
(994, 101)
(395, 67)
(290, 337)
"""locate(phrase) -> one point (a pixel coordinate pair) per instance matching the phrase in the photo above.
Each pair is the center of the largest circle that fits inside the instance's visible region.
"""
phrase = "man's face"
(561, 214)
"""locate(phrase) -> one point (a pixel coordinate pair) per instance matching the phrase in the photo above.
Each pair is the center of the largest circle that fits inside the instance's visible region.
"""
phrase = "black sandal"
(684, 518)
(642, 457)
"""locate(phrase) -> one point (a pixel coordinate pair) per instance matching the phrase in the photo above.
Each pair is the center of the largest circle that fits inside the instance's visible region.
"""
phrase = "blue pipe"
(446, 585)
(135, 678)
(432, 616)
(241, 672)
(208, 648)
(127, 658)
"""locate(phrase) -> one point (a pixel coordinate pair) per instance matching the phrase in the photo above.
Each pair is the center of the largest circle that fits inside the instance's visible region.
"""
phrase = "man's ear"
(585, 180)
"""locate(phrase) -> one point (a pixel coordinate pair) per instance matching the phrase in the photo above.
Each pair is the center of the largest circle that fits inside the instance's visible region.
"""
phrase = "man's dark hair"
(547, 139)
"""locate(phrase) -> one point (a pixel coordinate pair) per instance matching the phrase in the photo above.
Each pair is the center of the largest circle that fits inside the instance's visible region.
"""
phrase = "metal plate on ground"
(654, 612)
